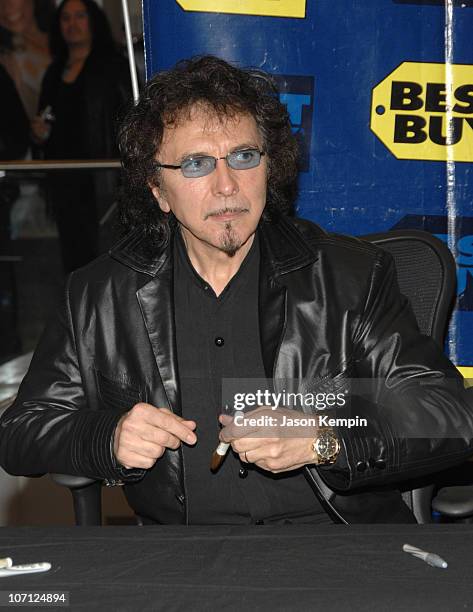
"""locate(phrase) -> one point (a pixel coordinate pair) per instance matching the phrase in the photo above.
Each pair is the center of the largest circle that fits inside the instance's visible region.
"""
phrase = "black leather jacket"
(329, 309)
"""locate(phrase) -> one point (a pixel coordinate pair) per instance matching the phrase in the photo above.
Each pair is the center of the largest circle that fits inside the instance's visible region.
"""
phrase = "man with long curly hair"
(212, 281)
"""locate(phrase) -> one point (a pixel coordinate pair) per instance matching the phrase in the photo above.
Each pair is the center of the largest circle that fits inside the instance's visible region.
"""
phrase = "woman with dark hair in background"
(82, 93)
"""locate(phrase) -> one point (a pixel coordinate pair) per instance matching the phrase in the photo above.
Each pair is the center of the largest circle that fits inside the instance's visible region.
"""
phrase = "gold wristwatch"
(326, 447)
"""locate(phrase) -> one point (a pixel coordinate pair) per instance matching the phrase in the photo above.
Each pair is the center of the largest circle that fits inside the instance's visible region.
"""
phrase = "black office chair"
(426, 275)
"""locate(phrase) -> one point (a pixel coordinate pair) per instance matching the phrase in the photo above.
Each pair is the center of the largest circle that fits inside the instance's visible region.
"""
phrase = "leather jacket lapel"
(156, 304)
(272, 316)
(282, 251)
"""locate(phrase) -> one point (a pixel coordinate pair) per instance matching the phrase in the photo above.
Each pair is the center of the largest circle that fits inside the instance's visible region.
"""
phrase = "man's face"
(218, 212)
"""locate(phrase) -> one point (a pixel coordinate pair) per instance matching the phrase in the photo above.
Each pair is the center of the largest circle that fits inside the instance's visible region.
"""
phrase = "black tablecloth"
(294, 567)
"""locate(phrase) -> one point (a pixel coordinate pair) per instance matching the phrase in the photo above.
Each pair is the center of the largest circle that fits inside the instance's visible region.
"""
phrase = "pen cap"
(436, 561)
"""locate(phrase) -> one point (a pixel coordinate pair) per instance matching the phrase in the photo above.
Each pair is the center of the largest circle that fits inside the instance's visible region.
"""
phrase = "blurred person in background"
(14, 142)
(24, 57)
(24, 51)
(82, 93)
(24, 54)
(14, 124)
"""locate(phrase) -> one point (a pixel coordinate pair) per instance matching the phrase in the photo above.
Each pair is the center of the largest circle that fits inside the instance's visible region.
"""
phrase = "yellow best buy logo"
(268, 8)
(467, 373)
(425, 111)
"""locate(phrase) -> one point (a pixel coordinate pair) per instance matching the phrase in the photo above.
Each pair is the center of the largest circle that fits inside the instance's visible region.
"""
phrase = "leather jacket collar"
(283, 249)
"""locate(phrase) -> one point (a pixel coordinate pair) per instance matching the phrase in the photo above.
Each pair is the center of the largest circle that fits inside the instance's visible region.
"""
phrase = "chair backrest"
(427, 277)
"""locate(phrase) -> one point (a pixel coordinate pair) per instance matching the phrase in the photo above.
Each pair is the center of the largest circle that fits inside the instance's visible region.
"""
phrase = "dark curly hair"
(167, 98)
(102, 38)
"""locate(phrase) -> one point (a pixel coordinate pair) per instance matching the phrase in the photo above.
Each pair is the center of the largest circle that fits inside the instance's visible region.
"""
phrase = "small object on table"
(431, 558)
(30, 568)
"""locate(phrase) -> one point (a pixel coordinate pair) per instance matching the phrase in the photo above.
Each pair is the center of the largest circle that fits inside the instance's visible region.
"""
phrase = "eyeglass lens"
(238, 160)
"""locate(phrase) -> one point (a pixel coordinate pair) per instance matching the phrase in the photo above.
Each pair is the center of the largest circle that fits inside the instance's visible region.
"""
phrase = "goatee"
(230, 242)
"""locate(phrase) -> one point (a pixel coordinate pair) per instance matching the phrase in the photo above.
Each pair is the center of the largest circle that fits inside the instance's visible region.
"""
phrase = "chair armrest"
(86, 495)
(72, 482)
(455, 502)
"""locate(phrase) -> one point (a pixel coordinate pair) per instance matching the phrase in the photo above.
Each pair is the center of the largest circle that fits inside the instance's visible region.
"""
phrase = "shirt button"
(259, 522)
(361, 466)
(219, 341)
(242, 472)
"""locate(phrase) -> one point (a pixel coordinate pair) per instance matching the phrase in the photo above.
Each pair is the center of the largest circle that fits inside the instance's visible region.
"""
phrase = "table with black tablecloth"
(293, 567)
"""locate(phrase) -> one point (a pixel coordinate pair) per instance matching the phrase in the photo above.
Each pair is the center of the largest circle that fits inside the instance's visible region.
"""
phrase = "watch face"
(327, 446)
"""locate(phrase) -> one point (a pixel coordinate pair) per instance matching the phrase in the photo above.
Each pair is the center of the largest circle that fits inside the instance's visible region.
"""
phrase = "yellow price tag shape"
(467, 373)
(265, 8)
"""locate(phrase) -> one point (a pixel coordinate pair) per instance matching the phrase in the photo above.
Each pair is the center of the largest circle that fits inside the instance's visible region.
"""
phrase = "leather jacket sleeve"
(49, 428)
(419, 415)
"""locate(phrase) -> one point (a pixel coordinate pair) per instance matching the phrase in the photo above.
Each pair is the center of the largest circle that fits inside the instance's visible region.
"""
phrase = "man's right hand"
(145, 432)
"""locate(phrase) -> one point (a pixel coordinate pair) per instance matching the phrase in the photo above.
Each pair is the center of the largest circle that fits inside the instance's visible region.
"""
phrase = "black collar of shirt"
(181, 257)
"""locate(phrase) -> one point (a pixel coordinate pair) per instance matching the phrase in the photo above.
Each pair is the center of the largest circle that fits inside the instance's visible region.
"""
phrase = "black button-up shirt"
(217, 338)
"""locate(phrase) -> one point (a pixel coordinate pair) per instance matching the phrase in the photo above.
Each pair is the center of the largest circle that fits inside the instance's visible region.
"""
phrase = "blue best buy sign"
(381, 118)
(297, 93)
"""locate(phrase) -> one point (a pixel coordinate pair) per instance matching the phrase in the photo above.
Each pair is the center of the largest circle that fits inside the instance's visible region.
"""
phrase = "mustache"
(226, 210)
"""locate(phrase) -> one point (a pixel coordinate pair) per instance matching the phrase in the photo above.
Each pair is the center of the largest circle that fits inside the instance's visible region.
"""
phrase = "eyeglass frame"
(216, 159)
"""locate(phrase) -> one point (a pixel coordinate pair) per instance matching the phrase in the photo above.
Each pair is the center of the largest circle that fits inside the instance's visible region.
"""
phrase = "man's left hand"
(271, 444)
